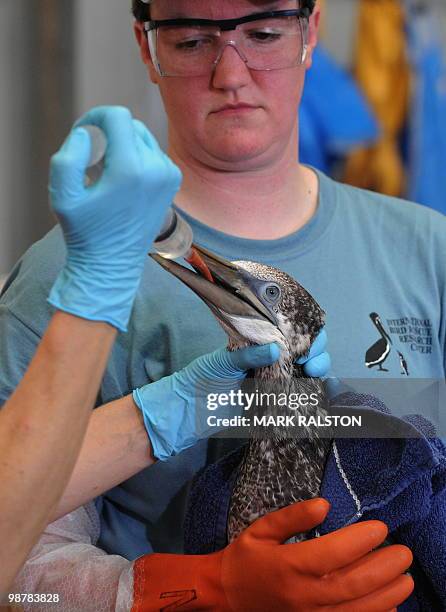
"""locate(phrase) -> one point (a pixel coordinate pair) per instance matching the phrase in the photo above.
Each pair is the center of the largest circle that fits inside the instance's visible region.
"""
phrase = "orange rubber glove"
(255, 572)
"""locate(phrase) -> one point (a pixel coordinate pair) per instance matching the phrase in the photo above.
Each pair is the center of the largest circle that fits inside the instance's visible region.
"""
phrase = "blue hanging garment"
(334, 115)
(427, 128)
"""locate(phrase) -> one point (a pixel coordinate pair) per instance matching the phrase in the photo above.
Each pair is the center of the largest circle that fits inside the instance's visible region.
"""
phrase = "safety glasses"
(189, 47)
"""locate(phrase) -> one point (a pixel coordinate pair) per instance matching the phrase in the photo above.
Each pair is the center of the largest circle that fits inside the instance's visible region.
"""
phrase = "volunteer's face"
(246, 139)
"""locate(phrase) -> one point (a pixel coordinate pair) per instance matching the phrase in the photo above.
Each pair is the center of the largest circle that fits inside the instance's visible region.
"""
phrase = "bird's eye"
(272, 293)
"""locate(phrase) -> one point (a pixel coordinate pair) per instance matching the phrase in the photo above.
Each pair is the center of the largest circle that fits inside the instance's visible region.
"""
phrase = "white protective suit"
(67, 562)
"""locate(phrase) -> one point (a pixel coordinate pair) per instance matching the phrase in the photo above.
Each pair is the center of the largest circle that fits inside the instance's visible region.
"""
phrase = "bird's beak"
(228, 293)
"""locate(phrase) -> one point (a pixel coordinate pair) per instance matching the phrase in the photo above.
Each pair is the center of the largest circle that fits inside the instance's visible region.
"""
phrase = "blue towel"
(399, 481)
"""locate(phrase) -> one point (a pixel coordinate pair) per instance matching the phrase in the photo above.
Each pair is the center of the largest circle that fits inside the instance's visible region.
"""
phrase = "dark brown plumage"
(257, 304)
(280, 466)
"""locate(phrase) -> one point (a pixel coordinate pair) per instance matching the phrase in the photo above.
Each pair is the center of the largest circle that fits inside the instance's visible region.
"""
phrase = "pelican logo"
(181, 598)
(380, 350)
(377, 354)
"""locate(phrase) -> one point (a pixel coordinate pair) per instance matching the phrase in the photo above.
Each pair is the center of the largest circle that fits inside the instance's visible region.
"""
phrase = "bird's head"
(375, 317)
(254, 303)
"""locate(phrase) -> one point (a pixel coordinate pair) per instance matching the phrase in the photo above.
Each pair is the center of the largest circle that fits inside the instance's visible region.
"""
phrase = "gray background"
(57, 59)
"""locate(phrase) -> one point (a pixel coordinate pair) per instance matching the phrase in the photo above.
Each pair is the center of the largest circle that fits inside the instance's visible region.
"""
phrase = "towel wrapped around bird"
(400, 480)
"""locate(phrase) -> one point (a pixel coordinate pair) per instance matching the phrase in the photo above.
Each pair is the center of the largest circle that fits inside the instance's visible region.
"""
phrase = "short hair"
(141, 10)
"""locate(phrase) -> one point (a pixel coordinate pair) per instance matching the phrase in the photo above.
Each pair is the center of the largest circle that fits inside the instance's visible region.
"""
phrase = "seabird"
(403, 364)
(378, 352)
(257, 304)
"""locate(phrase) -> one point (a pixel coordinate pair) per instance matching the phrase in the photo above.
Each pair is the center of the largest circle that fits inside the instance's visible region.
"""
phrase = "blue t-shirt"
(361, 254)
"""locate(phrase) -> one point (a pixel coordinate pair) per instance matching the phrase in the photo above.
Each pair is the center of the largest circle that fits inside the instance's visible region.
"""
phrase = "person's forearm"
(116, 447)
(48, 413)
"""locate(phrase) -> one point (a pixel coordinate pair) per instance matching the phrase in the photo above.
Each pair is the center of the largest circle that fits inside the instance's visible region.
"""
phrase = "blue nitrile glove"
(317, 363)
(108, 227)
(174, 408)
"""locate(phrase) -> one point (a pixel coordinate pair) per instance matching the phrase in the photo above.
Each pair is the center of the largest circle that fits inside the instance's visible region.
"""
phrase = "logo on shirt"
(377, 354)
(404, 336)
(415, 334)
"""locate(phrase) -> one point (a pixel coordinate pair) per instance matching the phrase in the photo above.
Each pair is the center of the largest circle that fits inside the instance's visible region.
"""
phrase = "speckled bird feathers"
(280, 469)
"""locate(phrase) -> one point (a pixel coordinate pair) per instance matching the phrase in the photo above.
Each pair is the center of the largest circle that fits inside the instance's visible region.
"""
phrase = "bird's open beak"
(228, 293)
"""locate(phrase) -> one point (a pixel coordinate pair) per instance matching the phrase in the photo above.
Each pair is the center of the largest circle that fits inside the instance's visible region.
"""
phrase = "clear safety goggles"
(193, 47)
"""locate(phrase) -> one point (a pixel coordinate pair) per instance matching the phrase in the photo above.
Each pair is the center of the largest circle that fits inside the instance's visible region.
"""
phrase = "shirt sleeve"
(24, 309)
(18, 343)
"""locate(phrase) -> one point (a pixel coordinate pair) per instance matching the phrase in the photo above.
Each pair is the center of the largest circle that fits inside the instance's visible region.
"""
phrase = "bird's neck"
(282, 464)
(383, 333)
(291, 392)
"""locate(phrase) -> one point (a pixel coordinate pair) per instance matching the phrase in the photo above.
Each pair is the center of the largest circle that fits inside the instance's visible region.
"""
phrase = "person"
(93, 299)
(48, 412)
(233, 132)
(105, 236)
